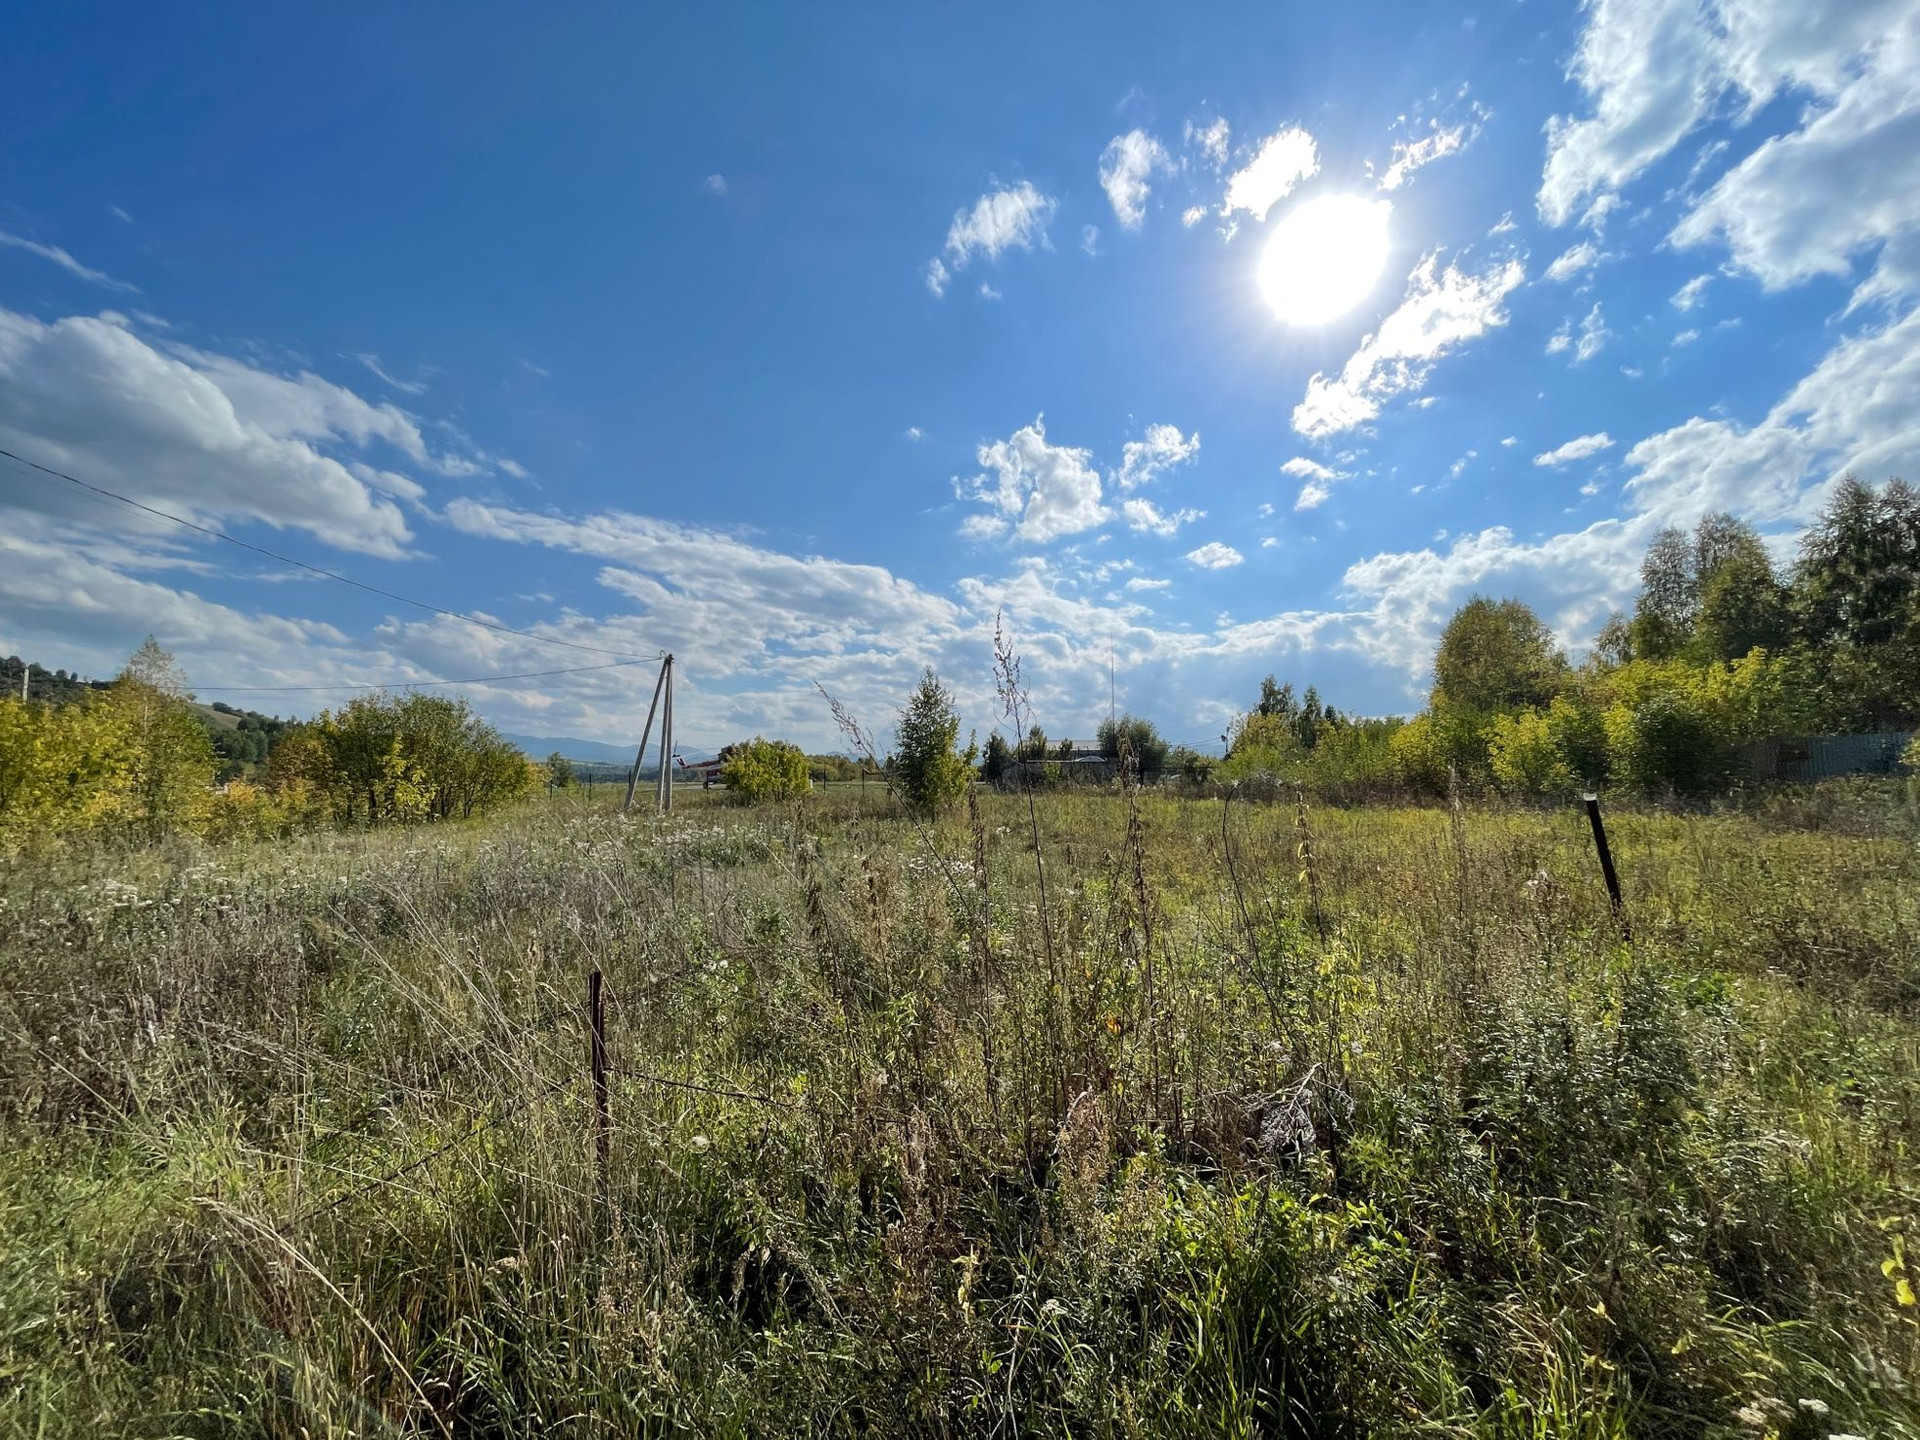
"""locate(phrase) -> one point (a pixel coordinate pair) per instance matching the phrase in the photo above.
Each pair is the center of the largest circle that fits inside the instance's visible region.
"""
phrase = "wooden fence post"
(1606, 864)
(602, 1121)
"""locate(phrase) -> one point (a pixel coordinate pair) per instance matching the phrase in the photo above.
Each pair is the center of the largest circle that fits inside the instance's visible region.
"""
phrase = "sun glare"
(1324, 258)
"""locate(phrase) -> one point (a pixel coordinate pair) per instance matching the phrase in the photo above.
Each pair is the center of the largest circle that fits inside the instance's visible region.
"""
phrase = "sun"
(1324, 258)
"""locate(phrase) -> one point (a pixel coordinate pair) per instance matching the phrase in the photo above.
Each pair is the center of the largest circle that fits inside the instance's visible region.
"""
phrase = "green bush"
(763, 769)
(1526, 757)
(1667, 744)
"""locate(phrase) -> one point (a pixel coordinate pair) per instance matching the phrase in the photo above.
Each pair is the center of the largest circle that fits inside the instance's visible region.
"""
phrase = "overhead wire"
(207, 530)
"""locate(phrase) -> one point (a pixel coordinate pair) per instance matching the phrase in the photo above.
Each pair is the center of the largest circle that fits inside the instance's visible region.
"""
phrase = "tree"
(1859, 566)
(1613, 646)
(1134, 742)
(1496, 655)
(559, 771)
(1669, 593)
(995, 758)
(930, 776)
(170, 760)
(1742, 607)
(762, 769)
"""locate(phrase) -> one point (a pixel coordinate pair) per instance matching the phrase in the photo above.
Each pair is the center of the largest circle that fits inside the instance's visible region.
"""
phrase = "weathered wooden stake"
(1606, 865)
(602, 1120)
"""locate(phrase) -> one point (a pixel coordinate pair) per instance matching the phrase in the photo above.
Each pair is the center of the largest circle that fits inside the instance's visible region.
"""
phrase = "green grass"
(1387, 1135)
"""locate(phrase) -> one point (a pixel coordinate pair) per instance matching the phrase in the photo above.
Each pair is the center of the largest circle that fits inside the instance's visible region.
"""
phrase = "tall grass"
(1262, 1122)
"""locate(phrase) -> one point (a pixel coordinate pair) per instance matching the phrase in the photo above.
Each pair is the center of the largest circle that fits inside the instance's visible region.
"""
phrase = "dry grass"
(1358, 1123)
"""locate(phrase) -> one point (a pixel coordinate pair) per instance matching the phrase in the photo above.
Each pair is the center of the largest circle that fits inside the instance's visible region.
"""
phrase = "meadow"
(1092, 1114)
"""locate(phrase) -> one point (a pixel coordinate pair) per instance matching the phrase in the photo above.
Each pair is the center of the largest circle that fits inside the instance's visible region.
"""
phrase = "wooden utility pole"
(640, 755)
(666, 745)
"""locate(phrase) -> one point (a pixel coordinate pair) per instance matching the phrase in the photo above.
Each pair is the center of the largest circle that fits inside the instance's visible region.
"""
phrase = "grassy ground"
(1105, 1117)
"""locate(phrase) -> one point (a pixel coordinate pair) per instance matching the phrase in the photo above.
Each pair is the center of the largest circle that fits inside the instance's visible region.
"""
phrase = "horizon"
(1215, 350)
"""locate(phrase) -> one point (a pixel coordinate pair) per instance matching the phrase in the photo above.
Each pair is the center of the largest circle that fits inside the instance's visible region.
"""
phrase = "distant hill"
(538, 748)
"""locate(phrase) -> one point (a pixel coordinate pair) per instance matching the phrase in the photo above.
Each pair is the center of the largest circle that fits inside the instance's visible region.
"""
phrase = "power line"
(414, 684)
(317, 570)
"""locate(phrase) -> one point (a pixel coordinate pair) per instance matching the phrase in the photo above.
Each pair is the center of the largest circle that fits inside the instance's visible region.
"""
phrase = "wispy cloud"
(1581, 447)
(1283, 160)
(66, 262)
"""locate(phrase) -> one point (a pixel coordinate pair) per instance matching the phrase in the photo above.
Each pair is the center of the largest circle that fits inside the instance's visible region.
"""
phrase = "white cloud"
(65, 261)
(1655, 69)
(1210, 140)
(1592, 337)
(988, 292)
(1090, 239)
(1581, 447)
(1313, 494)
(1806, 203)
(1045, 490)
(1009, 218)
(1282, 162)
(1443, 309)
(1691, 293)
(1410, 155)
(1163, 449)
(1511, 441)
(405, 387)
(1571, 263)
(1145, 515)
(1126, 168)
(715, 184)
(1685, 337)
(1458, 468)
(1215, 556)
(203, 435)
(1141, 582)
(1317, 481)
(1858, 410)
(983, 527)
(916, 434)
(1504, 225)
(1193, 215)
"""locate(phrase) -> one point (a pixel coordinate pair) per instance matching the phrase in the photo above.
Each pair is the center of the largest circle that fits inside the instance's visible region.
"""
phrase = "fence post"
(602, 1122)
(1606, 864)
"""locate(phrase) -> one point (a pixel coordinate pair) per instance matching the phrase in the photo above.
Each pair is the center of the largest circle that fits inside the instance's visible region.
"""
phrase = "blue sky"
(803, 342)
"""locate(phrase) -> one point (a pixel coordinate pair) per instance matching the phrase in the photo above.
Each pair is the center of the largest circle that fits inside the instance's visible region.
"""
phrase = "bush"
(764, 769)
(1667, 744)
(1525, 756)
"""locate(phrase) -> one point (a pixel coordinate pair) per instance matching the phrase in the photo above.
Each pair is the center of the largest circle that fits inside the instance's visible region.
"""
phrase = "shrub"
(764, 769)
(1667, 744)
(1525, 757)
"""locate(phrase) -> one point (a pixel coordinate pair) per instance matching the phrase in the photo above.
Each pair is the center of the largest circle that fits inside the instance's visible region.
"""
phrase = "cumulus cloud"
(1317, 481)
(206, 435)
(1283, 160)
(1146, 516)
(1581, 447)
(1443, 309)
(1009, 218)
(1859, 410)
(1806, 203)
(1043, 490)
(57, 256)
(1800, 204)
(1691, 293)
(1574, 261)
(1126, 167)
(1215, 556)
(715, 184)
(1164, 448)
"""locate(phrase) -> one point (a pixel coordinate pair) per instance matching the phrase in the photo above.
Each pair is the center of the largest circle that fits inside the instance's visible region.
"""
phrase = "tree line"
(1721, 649)
(131, 759)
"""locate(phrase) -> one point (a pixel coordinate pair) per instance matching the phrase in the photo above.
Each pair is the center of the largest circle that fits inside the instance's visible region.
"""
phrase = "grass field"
(1107, 1116)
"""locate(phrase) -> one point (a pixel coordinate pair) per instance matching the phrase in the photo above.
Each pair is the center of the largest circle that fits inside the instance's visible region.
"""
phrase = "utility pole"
(666, 743)
(640, 755)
